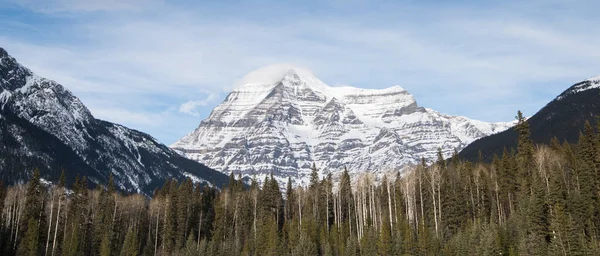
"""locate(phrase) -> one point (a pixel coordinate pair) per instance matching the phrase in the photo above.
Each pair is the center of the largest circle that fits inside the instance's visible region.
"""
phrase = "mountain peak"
(281, 119)
(272, 74)
(6, 61)
(266, 78)
(594, 79)
(13, 75)
(585, 85)
(562, 118)
(45, 126)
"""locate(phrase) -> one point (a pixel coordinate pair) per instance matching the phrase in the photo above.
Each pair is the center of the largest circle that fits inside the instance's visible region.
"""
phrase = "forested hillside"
(562, 118)
(539, 200)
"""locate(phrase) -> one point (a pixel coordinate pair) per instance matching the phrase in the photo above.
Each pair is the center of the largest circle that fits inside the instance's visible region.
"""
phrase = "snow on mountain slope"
(282, 119)
(588, 84)
(45, 126)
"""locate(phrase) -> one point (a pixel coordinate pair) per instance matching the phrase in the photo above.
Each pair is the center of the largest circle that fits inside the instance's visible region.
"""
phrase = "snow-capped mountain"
(585, 85)
(282, 119)
(43, 125)
(564, 118)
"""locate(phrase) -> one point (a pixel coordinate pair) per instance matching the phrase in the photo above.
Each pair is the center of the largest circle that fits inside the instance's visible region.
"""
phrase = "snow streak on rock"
(37, 105)
(282, 119)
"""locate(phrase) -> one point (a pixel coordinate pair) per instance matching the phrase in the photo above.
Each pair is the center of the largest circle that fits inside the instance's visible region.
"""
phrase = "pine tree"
(586, 180)
(191, 247)
(105, 244)
(368, 244)
(385, 240)
(2, 197)
(104, 219)
(74, 233)
(35, 200)
(352, 248)
(170, 226)
(58, 230)
(130, 244)
(290, 204)
(525, 153)
(30, 244)
(305, 247)
(3, 240)
(537, 220)
(314, 177)
(345, 196)
(559, 231)
(587, 145)
(184, 207)
(453, 205)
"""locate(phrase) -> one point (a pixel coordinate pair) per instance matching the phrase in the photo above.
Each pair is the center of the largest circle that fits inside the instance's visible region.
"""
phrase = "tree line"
(535, 200)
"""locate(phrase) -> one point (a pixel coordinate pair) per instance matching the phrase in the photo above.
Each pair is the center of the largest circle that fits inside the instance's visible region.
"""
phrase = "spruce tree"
(305, 247)
(184, 208)
(30, 243)
(130, 244)
(34, 204)
(104, 219)
(191, 247)
(352, 247)
(314, 177)
(75, 233)
(586, 179)
(2, 197)
(525, 154)
(368, 243)
(385, 242)
(537, 220)
(345, 195)
(170, 226)
(290, 203)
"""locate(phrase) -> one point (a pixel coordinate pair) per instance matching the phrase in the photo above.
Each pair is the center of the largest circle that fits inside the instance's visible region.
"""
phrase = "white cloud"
(122, 116)
(74, 6)
(159, 57)
(191, 107)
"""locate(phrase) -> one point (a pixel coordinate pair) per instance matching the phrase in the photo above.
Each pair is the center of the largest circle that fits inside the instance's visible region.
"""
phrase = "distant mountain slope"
(42, 125)
(563, 118)
(282, 119)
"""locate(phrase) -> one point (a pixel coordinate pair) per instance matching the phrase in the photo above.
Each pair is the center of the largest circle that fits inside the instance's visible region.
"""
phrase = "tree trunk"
(57, 222)
(200, 227)
(156, 232)
(421, 202)
(390, 206)
(50, 224)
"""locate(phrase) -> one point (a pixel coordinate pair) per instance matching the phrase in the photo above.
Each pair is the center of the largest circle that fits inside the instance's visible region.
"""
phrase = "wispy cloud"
(76, 6)
(191, 107)
(147, 63)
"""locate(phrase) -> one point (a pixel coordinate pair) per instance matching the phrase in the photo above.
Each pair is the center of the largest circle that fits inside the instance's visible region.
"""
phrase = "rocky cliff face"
(282, 119)
(43, 125)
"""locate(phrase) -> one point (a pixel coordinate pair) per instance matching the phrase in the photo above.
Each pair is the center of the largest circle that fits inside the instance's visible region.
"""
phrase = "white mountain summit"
(282, 119)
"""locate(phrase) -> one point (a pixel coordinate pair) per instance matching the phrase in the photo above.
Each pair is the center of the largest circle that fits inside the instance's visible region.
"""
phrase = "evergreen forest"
(534, 200)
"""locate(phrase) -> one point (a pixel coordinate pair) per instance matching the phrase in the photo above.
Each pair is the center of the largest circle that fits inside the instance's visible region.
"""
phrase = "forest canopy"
(537, 200)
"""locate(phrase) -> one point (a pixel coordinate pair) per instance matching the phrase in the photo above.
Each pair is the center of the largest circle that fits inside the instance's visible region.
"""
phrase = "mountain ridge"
(43, 125)
(563, 117)
(291, 119)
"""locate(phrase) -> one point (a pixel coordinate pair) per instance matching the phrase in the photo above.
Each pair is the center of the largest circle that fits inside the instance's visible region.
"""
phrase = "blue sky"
(161, 66)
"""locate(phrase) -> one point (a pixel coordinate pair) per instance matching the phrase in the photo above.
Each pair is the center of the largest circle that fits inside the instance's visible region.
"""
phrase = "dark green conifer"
(524, 154)
(130, 244)
(30, 244)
